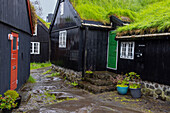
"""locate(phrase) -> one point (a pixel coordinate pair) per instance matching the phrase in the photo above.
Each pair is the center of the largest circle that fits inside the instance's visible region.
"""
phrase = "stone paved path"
(57, 95)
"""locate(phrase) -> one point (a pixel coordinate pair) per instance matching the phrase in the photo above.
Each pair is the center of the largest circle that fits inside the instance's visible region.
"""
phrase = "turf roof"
(47, 24)
(153, 19)
(143, 14)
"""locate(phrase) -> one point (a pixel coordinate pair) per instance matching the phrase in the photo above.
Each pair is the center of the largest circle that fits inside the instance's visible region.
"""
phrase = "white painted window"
(62, 39)
(62, 8)
(127, 50)
(35, 32)
(35, 48)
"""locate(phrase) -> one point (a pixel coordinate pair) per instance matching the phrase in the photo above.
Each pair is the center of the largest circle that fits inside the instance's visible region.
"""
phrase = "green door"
(112, 52)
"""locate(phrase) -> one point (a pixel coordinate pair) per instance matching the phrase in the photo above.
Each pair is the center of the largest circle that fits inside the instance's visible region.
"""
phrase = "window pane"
(14, 43)
(127, 49)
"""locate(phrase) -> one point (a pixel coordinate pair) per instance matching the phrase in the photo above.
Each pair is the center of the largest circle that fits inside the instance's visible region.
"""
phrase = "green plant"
(7, 102)
(47, 71)
(133, 77)
(54, 74)
(74, 83)
(123, 83)
(134, 85)
(120, 80)
(134, 80)
(31, 80)
(89, 72)
(12, 93)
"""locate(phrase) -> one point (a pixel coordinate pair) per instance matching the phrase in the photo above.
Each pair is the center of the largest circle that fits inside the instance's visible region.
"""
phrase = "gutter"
(146, 35)
(94, 25)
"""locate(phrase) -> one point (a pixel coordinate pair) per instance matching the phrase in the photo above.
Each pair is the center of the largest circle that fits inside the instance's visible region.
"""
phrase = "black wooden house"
(40, 43)
(144, 49)
(15, 32)
(147, 55)
(76, 43)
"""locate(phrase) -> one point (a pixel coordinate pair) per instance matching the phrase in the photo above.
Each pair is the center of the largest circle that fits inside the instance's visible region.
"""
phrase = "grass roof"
(100, 10)
(154, 18)
(47, 24)
(33, 16)
(143, 14)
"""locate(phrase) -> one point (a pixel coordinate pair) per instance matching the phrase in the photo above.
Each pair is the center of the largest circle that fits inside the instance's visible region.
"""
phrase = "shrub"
(7, 102)
(12, 93)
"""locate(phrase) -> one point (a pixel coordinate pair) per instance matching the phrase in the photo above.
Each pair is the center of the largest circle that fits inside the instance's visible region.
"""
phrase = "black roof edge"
(55, 15)
(44, 27)
(92, 22)
(116, 20)
(56, 11)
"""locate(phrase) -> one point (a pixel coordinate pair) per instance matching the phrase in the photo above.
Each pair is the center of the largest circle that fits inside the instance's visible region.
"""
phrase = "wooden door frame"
(108, 53)
(17, 50)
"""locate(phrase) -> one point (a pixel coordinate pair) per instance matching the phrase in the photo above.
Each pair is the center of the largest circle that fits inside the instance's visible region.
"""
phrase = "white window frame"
(62, 39)
(33, 48)
(35, 33)
(62, 8)
(127, 50)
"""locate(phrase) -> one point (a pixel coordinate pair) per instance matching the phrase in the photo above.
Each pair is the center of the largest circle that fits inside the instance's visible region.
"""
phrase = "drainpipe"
(49, 48)
(84, 52)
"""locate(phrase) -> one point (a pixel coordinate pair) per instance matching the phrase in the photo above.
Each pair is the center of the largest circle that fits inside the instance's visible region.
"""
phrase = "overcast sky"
(48, 6)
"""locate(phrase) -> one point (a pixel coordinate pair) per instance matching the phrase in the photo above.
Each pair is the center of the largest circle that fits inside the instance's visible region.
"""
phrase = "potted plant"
(89, 73)
(15, 96)
(134, 84)
(122, 84)
(7, 104)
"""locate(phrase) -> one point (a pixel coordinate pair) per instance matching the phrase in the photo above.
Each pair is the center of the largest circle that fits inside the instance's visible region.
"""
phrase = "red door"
(14, 61)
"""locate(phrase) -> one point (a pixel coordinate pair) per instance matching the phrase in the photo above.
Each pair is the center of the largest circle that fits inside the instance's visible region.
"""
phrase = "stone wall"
(155, 90)
(70, 75)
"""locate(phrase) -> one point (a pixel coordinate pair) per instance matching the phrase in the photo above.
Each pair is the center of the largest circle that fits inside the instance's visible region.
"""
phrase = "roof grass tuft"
(47, 24)
(154, 18)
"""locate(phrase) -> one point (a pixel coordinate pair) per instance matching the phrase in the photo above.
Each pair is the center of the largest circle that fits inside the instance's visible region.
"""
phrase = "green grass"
(156, 17)
(47, 24)
(47, 71)
(54, 74)
(39, 65)
(143, 14)
(31, 79)
(99, 10)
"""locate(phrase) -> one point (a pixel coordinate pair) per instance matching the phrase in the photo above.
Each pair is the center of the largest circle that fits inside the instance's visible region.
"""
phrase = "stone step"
(95, 89)
(104, 75)
(98, 82)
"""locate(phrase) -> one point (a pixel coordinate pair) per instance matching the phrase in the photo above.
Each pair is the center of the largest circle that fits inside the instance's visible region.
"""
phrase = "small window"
(127, 50)
(62, 39)
(35, 48)
(62, 8)
(14, 43)
(35, 32)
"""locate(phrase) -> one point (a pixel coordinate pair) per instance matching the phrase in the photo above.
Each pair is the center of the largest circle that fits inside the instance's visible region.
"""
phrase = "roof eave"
(143, 36)
(30, 19)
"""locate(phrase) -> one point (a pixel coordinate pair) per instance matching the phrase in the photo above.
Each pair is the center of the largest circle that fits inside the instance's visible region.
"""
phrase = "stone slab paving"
(57, 95)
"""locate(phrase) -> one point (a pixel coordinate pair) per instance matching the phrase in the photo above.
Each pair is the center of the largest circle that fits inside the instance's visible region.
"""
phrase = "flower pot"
(122, 90)
(18, 102)
(136, 93)
(7, 110)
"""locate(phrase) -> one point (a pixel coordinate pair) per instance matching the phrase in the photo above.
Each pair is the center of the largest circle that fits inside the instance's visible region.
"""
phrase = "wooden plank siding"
(14, 17)
(15, 13)
(154, 65)
(43, 38)
(97, 40)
